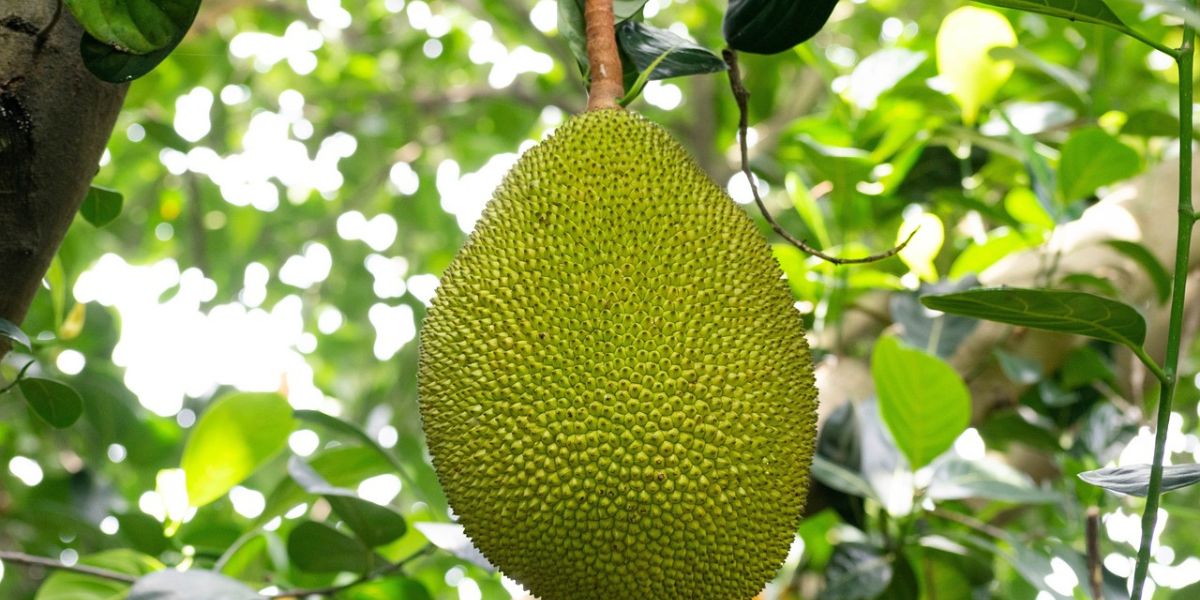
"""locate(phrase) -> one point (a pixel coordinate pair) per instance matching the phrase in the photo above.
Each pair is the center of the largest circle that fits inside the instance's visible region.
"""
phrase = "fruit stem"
(604, 61)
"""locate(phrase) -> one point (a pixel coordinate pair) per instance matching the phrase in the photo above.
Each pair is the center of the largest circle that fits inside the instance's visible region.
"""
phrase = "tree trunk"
(55, 119)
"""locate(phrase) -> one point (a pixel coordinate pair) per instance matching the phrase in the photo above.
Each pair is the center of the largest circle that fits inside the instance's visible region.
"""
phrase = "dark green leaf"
(319, 548)
(1087, 11)
(67, 585)
(1092, 158)
(190, 585)
(856, 572)
(236, 435)
(922, 400)
(1134, 480)
(117, 65)
(101, 206)
(374, 524)
(134, 26)
(1071, 312)
(57, 403)
(1150, 264)
(773, 26)
(645, 44)
(9, 330)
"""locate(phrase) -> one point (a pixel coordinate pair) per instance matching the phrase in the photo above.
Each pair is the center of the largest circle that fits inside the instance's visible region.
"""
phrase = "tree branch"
(742, 95)
(604, 61)
(21, 558)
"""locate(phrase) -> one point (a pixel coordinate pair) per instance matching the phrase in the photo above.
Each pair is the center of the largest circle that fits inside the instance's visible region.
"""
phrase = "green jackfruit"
(615, 386)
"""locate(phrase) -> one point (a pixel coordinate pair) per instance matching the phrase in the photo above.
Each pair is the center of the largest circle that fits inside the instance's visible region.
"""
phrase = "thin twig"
(20, 375)
(44, 35)
(365, 577)
(49, 563)
(1095, 575)
(742, 96)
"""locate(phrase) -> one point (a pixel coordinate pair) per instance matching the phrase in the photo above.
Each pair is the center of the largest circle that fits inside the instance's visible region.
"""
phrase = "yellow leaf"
(964, 41)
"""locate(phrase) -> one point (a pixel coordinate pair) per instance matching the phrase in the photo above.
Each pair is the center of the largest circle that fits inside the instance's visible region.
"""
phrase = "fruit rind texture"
(615, 386)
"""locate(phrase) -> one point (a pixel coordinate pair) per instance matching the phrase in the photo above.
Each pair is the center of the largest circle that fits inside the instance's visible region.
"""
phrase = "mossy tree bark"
(55, 119)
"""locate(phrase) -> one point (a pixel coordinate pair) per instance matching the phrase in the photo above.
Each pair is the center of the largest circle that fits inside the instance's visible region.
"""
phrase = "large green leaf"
(117, 62)
(134, 26)
(68, 585)
(1055, 310)
(772, 26)
(236, 435)
(1092, 158)
(190, 585)
(57, 403)
(922, 400)
(1087, 11)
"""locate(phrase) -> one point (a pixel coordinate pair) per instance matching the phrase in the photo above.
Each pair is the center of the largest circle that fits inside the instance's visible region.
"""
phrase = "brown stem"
(604, 61)
(21, 558)
(742, 95)
(1095, 575)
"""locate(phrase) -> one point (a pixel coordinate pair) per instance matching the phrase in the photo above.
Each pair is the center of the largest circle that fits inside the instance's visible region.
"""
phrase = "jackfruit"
(615, 386)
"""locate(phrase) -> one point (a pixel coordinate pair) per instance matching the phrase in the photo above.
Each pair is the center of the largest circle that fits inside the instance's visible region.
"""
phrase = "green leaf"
(374, 524)
(56, 403)
(964, 41)
(101, 206)
(116, 63)
(646, 45)
(840, 478)
(1054, 310)
(627, 9)
(9, 330)
(319, 548)
(134, 26)
(922, 400)
(1086, 11)
(236, 435)
(1150, 264)
(1134, 480)
(68, 585)
(1092, 158)
(773, 26)
(190, 585)
(1151, 123)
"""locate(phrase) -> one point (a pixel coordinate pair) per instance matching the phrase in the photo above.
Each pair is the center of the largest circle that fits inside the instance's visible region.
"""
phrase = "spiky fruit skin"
(615, 386)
